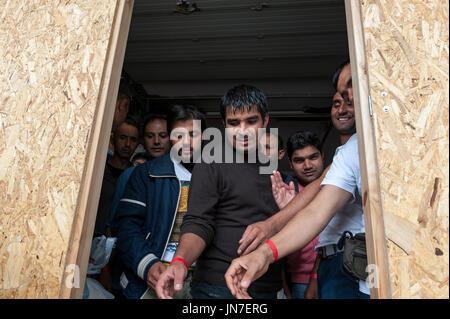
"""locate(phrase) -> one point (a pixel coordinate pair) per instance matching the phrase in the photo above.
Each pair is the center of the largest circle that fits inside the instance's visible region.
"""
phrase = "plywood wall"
(408, 69)
(52, 56)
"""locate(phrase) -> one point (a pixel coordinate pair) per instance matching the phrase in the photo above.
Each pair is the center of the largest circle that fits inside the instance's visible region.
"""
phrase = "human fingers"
(248, 238)
(164, 285)
(246, 232)
(278, 179)
(240, 293)
(274, 186)
(159, 271)
(179, 276)
(231, 277)
(260, 237)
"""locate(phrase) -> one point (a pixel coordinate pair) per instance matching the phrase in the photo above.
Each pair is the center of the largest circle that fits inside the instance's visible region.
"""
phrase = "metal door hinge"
(370, 106)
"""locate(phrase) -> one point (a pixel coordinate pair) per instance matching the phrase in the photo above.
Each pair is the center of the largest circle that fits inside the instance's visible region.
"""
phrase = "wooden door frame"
(82, 231)
(372, 201)
(86, 212)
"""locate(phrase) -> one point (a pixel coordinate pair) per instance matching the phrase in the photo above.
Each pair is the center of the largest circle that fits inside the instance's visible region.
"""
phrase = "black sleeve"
(204, 195)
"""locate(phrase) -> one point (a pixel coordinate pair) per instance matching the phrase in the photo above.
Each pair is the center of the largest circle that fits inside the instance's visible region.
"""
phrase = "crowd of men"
(193, 228)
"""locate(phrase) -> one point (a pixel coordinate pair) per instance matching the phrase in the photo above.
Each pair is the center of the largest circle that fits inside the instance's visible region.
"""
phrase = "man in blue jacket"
(150, 212)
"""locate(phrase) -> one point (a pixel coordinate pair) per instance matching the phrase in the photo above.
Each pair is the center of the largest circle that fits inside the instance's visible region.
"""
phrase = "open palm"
(282, 193)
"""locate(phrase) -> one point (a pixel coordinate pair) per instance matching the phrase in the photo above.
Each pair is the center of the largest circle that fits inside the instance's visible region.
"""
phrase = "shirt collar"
(182, 173)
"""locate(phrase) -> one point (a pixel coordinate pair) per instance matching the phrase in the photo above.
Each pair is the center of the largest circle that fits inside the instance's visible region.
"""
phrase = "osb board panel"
(51, 61)
(408, 59)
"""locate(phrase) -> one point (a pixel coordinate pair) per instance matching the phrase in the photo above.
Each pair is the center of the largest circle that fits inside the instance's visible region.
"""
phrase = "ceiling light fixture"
(184, 7)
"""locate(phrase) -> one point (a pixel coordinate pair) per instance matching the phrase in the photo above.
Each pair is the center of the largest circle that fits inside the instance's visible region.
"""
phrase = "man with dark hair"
(125, 141)
(224, 199)
(244, 98)
(156, 135)
(341, 187)
(150, 211)
(305, 157)
(336, 284)
(156, 144)
(337, 72)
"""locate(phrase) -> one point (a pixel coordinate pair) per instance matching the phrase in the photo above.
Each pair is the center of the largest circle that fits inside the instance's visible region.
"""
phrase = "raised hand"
(280, 192)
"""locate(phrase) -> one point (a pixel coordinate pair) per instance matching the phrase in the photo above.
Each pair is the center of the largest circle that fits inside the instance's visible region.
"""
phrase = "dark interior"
(195, 53)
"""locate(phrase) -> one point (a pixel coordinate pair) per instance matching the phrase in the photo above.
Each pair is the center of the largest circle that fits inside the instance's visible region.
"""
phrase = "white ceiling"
(287, 48)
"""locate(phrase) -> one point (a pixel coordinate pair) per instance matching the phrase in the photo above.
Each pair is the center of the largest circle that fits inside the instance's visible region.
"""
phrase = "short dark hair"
(151, 117)
(244, 97)
(124, 89)
(335, 78)
(182, 112)
(302, 139)
(132, 121)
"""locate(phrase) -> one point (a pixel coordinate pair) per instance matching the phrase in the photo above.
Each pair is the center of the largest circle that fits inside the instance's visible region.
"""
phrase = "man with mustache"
(149, 214)
(156, 136)
(125, 141)
(332, 282)
(156, 144)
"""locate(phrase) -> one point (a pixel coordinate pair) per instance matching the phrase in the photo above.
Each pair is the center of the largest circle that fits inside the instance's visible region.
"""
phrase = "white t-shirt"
(345, 174)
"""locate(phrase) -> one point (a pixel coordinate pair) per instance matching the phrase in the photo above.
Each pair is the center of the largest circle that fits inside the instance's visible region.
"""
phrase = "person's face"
(156, 138)
(243, 126)
(188, 137)
(269, 145)
(344, 86)
(307, 164)
(126, 140)
(343, 115)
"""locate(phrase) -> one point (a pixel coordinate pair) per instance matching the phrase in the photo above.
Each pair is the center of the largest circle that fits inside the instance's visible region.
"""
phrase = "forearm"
(297, 233)
(299, 202)
(190, 248)
(310, 221)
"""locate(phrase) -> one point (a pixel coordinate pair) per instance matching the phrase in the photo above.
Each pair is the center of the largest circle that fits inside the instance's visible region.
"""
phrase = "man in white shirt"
(333, 281)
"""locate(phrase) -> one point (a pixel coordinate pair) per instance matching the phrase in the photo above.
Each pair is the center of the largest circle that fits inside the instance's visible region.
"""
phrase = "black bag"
(355, 254)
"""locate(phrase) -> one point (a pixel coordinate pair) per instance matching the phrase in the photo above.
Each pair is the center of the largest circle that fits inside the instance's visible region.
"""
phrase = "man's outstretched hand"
(171, 281)
(257, 233)
(254, 235)
(246, 269)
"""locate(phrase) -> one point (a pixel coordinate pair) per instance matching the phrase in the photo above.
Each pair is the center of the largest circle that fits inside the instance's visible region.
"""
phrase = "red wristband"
(314, 276)
(274, 249)
(179, 259)
(106, 268)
